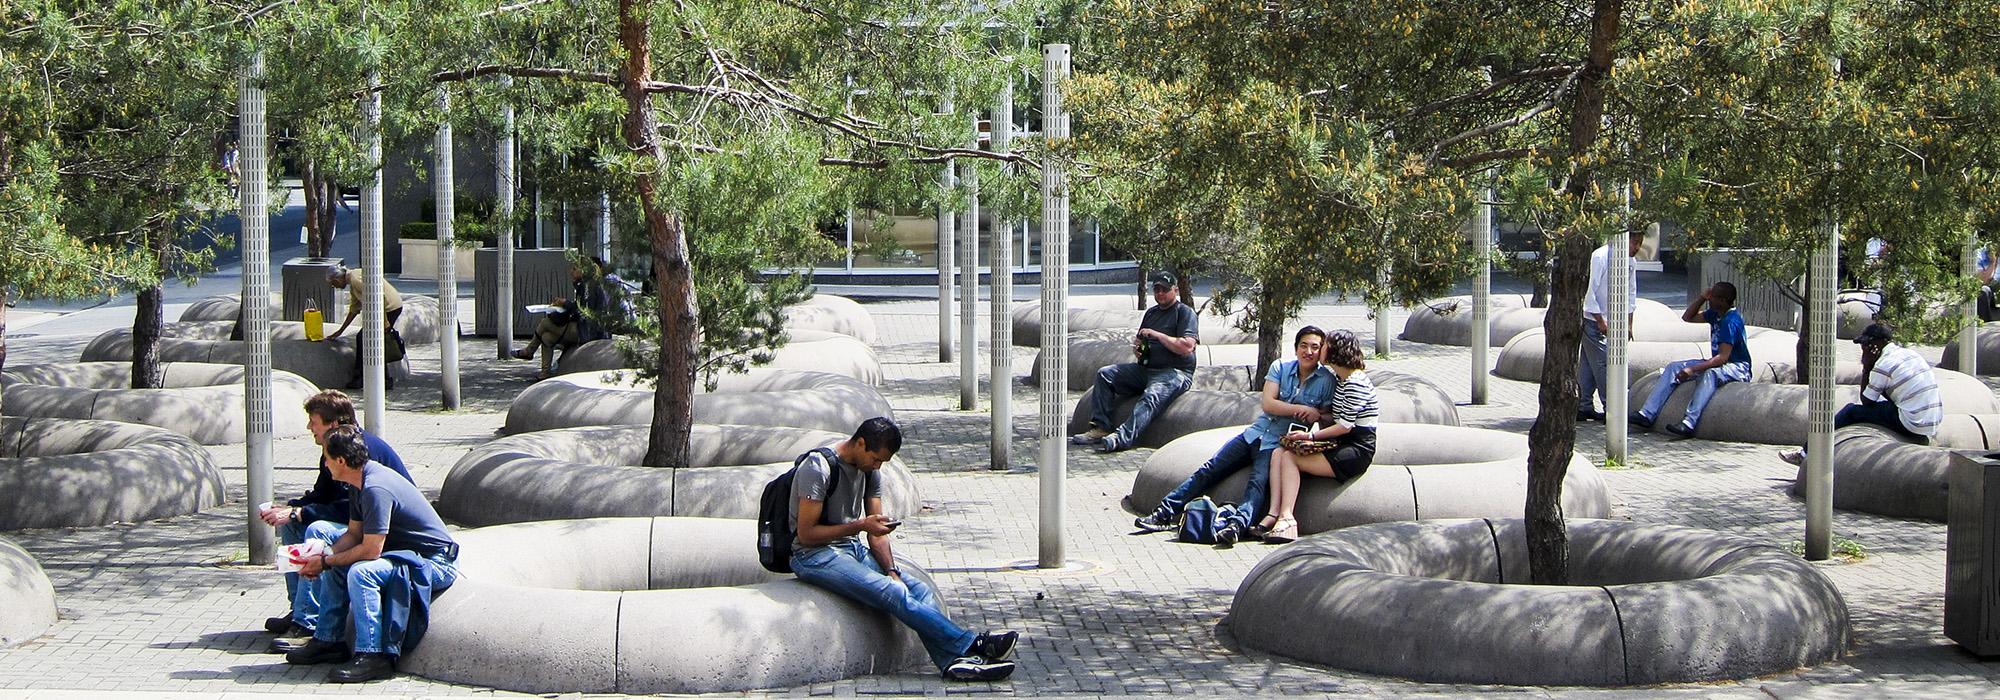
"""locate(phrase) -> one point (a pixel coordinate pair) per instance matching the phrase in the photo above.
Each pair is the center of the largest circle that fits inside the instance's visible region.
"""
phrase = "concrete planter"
(1447, 601)
(420, 259)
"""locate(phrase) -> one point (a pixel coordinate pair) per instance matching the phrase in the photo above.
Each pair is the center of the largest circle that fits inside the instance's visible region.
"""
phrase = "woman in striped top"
(1350, 415)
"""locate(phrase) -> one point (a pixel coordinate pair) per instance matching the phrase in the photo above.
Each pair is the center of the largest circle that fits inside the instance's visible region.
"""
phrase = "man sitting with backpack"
(836, 495)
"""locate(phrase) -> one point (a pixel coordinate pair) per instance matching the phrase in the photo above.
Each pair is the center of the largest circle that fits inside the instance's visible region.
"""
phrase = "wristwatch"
(893, 571)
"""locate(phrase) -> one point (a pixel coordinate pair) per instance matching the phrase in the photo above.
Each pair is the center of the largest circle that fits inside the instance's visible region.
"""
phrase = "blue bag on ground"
(1199, 521)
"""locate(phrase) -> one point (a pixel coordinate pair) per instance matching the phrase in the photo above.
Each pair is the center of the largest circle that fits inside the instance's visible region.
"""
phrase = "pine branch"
(1517, 120)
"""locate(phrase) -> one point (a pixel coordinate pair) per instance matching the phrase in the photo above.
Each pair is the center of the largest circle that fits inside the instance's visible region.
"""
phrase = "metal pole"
(1000, 262)
(603, 247)
(1618, 321)
(252, 191)
(503, 192)
(371, 266)
(443, 190)
(1819, 432)
(945, 235)
(1055, 302)
(1482, 295)
(968, 293)
(1968, 337)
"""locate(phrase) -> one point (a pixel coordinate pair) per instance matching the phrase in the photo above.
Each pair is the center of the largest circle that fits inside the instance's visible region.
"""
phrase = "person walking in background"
(1590, 384)
(1728, 361)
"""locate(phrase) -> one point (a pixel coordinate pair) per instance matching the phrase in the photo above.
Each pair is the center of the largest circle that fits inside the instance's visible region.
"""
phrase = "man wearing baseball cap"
(1901, 392)
(1164, 347)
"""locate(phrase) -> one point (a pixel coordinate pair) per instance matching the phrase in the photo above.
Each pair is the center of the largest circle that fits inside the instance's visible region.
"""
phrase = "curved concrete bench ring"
(1988, 354)
(645, 605)
(1776, 414)
(1449, 321)
(62, 472)
(1403, 398)
(1879, 471)
(199, 400)
(776, 397)
(580, 473)
(1420, 471)
(816, 351)
(327, 364)
(1771, 351)
(1446, 601)
(834, 314)
(1119, 314)
(27, 601)
(418, 324)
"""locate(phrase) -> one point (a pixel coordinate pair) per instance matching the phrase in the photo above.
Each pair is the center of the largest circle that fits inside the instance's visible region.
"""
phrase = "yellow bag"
(315, 326)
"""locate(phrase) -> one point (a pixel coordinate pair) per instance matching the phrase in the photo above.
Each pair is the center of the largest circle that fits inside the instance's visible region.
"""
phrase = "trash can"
(1972, 552)
(305, 287)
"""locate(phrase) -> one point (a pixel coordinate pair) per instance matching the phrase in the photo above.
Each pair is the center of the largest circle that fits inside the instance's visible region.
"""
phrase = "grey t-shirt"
(849, 500)
(388, 504)
(1177, 321)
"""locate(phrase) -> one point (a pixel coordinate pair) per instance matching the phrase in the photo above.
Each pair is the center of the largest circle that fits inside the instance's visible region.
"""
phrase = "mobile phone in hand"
(892, 524)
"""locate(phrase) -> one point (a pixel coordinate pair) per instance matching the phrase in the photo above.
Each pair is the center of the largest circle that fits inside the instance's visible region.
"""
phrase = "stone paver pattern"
(169, 608)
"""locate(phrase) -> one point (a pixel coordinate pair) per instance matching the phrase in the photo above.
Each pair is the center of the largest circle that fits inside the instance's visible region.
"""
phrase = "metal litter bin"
(1972, 552)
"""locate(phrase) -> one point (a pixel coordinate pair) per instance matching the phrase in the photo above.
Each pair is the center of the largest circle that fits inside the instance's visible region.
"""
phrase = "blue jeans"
(1241, 451)
(1156, 388)
(353, 593)
(1590, 370)
(850, 570)
(305, 599)
(1704, 388)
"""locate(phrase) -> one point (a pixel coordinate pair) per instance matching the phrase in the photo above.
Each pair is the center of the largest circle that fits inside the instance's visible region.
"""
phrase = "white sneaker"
(1795, 456)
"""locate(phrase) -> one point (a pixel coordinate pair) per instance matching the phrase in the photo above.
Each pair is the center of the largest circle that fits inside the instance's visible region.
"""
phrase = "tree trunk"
(315, 193)
(1801, 358)
(1552, 440)
(673, 399)
(1270, 338)
(1540, 280)
(146, 327)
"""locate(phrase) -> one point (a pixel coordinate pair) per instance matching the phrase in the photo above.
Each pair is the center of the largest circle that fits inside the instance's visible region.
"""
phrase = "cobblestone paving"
(164, 608)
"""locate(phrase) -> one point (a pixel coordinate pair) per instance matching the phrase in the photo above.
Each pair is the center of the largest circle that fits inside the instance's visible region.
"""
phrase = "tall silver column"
(371, 266)
(1055, 303)
(1819, 432)
(252, 193)
(603, 250)
(443, 190)
(968, 274)
(1618, 321)
(946, 232)
(1482, 295)
(1968, 337)
(1000, 259)
(503, 193)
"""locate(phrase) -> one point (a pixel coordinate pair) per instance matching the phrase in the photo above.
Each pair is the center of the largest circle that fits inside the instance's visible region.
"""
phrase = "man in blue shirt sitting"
(1293, 391)
(1728, 360)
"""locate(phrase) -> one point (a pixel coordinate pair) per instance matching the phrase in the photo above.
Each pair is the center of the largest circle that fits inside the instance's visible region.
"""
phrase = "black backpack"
(775, 529)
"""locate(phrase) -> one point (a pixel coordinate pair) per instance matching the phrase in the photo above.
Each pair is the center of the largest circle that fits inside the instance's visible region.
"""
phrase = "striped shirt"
(1353, 404)
(1902, 377)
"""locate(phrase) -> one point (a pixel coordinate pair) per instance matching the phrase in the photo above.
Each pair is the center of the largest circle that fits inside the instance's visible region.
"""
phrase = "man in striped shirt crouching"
(1901, 392)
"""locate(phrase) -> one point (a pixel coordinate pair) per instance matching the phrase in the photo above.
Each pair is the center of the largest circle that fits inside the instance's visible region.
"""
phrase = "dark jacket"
(328, 498)
(595, 304)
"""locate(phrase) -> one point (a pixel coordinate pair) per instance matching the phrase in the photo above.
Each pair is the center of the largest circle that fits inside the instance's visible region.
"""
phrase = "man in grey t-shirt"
(1164, 347)
(829, 553)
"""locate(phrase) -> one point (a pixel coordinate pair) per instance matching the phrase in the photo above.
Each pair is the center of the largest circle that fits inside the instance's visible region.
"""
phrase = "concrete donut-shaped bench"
(1403, 398)
(1879, 471)
(1449, 321)
(62, 472)
(646, 605)
(327, 364)
(835, 314)
(1776, 414)
(1988, 355)
(1119, 314)
(27, 601)
(1420, 471)
(1447, 601)
(1521, 358)
(582, 473)
(777, 397)
(418, 324)
(817, 351)
(201, 401)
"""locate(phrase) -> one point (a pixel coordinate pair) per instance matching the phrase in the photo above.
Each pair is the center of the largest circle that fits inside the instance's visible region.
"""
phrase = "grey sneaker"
(1111, 443)
(1089, 437)
(1157, 521)
(978, 668)
(1795, 456)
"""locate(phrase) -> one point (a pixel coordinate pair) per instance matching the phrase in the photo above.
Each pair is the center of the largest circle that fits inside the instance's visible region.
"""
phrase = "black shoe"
(1584, 415)
(278, 624)
(1158, 521)
(976, 668)
(290, 640)
(996, 646)
(317, 651)
(1681, 429)
(365, 667)
(353, 385)
(1111, 443)
(1640, 420)
(1229, 535)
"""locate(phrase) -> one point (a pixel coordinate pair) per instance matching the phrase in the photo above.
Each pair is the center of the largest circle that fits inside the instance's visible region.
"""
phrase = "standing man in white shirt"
(1596, 303)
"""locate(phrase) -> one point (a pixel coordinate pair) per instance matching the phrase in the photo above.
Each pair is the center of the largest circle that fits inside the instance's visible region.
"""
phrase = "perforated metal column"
(1000, 260)
(1482, 295)
(1618, 309)
(1819, 431)
(503, 191)
(252, 194)
(1055, 303)
(443, 189)
(946, 235)
(371, 265)
(968, 275)
(1968, 337)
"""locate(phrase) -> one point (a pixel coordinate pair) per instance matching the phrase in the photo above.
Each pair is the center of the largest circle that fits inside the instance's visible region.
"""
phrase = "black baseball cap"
(1161, 279)
(1874, 333)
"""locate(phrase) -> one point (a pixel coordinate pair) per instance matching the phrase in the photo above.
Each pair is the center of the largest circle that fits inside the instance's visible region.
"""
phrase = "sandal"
(1287, 530)
(1259, 530)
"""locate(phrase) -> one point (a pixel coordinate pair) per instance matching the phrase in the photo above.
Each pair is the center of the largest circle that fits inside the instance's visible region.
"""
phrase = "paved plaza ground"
(170, 607)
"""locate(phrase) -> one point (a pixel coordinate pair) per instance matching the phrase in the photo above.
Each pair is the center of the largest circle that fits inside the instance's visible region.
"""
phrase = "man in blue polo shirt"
(1728, 360)
(1293, 391)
